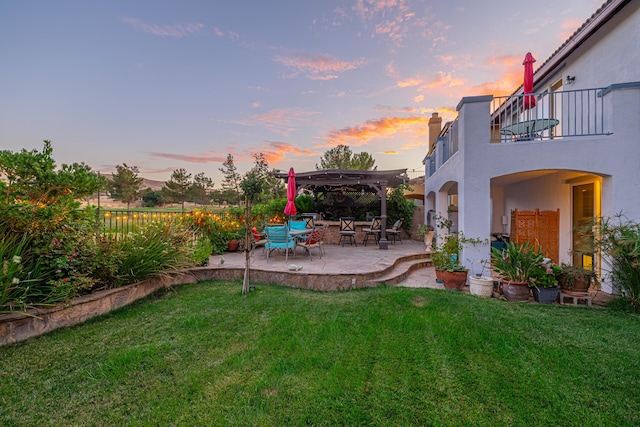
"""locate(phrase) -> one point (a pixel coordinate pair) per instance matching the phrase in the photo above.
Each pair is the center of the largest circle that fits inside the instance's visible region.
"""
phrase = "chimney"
(435, 126)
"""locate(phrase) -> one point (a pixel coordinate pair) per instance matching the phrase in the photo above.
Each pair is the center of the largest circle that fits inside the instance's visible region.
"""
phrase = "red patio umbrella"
(529, 101)
(290, 209)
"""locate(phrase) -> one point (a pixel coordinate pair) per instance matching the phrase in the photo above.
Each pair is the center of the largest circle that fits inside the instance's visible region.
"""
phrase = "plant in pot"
(517, 264)
(426, 232)
(575, 280)
(544, 282)
(442, 253)
(454, 275)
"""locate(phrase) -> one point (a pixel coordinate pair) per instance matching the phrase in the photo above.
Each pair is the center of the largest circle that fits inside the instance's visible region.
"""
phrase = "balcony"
(552, 115)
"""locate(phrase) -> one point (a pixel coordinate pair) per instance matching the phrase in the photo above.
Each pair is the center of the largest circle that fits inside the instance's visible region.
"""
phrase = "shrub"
(619, 241)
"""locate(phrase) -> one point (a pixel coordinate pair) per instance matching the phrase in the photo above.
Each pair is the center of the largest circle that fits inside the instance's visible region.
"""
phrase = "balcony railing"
(449, 141)
(548, 115)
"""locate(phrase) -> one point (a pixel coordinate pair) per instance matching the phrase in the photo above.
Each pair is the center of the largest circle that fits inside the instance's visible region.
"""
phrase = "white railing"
(548, 115)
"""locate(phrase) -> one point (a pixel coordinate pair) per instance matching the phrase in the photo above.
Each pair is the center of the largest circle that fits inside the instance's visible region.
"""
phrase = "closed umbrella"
(290, 209)
(529, 101)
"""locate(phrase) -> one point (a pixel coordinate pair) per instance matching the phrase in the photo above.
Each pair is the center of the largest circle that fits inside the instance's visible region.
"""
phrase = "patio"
(340, 268)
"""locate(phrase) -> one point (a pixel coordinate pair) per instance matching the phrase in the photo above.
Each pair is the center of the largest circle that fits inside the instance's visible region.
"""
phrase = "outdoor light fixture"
(570, 79)
(505, 222)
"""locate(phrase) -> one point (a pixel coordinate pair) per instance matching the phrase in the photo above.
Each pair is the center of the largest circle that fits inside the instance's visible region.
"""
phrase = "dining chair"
(394, 231)
(348, 230)
(314, 240)
(373, 230)
(278, 237)
(258, 239)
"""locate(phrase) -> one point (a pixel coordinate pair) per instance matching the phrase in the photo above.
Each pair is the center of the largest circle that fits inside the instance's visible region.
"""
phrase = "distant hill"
(146, 183)
(152, 184)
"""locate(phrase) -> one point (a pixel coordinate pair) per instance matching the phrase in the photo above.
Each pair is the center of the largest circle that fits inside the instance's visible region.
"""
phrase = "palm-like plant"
(517, 262)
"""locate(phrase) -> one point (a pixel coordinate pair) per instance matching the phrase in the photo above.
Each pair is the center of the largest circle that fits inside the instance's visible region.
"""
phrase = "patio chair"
(394, 231)
(258, 239)
(314, 240)
(278, 237)
(309, 219)
(373, 230)
(295, 226)
(348, 230)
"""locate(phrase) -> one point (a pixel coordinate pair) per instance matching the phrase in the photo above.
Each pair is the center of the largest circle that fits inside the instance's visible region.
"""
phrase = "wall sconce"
(570, 79)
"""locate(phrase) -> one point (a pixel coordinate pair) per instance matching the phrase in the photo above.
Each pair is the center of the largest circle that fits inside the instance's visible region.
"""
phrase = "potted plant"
(544, 283)
(426, 231)
(517, 264)
(575, 280)
(454, 275)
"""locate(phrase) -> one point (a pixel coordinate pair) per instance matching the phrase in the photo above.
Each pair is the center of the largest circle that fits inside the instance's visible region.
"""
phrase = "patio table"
(529, 129)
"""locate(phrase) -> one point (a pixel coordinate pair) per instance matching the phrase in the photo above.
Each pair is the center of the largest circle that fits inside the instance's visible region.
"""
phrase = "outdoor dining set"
(305, 233)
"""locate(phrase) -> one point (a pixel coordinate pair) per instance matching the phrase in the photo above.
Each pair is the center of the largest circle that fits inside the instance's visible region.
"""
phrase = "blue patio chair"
(278, 237)
(299, 226)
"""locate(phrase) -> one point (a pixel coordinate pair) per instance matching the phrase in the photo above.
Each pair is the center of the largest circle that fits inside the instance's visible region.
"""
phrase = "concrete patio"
(340, 268)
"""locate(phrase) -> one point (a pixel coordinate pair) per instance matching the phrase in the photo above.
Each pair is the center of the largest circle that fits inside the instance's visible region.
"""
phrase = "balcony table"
(529, 129)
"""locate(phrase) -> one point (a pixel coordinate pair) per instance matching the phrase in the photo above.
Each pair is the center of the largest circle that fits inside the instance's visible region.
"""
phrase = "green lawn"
(205, 356)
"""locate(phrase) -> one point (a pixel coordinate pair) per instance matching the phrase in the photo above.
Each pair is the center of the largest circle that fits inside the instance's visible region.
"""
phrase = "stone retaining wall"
(16, 327)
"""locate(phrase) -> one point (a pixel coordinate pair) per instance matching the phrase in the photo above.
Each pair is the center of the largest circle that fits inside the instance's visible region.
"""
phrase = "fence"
(117, 223)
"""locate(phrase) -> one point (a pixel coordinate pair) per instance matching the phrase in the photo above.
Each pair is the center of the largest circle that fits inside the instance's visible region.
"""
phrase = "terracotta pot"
(232, 245)
(454, 280)
(516, 291)
(481, 286)
(580, 287)
(438, 274)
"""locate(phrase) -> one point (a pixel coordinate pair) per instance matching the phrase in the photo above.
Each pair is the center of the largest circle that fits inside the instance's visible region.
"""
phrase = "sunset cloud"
(281, 121)
(275, 151)
(173, 30)
(568, 28)
(190, 158)
(505, 85)
(386, 127)
(317, 66)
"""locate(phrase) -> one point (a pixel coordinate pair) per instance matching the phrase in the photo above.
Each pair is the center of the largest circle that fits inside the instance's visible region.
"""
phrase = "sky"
(164, 85)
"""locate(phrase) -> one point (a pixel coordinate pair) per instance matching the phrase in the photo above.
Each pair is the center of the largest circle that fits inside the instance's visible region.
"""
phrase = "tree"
(253, 185)
(124, 185)
(177, 188)
(152, 198)
(341, 157)
(231, 181)
(200, 188)
(32, 176)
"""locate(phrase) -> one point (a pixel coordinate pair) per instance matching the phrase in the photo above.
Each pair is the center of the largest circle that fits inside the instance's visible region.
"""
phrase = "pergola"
(325, 180)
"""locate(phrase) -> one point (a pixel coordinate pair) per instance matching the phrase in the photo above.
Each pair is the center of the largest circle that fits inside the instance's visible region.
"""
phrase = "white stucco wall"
(612, 56)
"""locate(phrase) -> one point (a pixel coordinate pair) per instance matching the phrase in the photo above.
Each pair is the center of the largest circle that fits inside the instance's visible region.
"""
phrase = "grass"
(203, 355)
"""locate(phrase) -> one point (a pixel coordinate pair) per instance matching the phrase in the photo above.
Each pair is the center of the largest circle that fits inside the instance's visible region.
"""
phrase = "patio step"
(400, 271)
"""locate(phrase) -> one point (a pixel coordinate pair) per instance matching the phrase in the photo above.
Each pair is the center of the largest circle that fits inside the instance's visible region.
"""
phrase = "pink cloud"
(317, 66)
(386, 127)
(280, 121)
(276, 151)
(568, 28)
(190, 158)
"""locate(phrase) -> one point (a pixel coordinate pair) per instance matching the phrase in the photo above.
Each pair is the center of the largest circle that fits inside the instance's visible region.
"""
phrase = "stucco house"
(574, 154)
